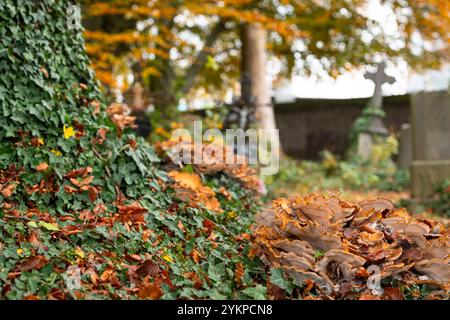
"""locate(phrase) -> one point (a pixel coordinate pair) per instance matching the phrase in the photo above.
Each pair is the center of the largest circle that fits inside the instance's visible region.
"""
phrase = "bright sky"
(354, 85)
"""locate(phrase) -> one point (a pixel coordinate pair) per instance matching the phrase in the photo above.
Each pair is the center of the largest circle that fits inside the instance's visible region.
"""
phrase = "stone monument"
(405, 147)
(430, 122)
(374, 112)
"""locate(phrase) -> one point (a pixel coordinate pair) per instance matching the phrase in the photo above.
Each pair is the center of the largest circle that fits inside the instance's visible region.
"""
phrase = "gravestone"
(376, 126)
(379, 78)
(405, 155)
(430, 112)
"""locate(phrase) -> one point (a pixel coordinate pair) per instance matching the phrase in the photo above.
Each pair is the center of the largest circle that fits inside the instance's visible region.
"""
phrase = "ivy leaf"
(277, 278)
(49, 226)
(32, 224)
(215, 272)
(257, 293)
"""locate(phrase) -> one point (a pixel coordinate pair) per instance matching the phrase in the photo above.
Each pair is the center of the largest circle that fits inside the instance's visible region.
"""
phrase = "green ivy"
(46, 86)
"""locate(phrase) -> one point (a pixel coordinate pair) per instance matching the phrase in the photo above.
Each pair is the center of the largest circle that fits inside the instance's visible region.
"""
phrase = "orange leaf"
(391, 293)
(42, 167)
(8, 191)
(239, 273)
(150, 291)
(34, 238)
(107, 274)
(195, 256)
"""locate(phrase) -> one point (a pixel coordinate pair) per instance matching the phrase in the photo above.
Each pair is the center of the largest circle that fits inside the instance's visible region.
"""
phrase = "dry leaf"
(34, 262)
(8, 190)
(42, 167)
(150, 291)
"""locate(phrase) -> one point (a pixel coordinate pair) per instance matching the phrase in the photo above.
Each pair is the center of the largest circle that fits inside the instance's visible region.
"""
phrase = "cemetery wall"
(308, 126)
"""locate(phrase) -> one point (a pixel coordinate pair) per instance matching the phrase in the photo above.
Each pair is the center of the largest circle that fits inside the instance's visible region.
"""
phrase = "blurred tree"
(173, 46)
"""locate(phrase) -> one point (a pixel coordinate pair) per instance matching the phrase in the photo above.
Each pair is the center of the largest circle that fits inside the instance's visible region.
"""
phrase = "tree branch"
(201, 58)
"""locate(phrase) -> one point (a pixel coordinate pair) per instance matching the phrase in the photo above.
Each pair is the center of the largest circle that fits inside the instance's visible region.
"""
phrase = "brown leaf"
(101, 136)
(239, 273)
(150, 291)
(8, 190)
(69, 189)
(275, 292)
(36, 142)
(56, 294)
(208, 224)
(93, 276)
(107, 274)
(34, 238)
(34, 262)
(93, 193)
(148, 268)
(391, 293)
(132, 143)
(133, 213)
(195, 256)
(82, 182)
(79, 172)
(198, 283)
(366, 296)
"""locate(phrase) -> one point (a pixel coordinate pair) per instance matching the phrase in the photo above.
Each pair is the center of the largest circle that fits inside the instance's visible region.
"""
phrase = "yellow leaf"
(68, 132)
(40, 141)
(19, 251)
(167, 258)
(232, 214)
(56, 152)
(79, 252)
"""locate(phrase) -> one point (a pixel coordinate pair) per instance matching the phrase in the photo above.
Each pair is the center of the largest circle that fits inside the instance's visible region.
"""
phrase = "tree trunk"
(254, 59)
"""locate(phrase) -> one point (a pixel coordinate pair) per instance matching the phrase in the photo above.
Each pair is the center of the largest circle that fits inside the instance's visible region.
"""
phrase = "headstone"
(379, 78)
(364, 145)
(376, 125)
(430, 113)
(405, 156)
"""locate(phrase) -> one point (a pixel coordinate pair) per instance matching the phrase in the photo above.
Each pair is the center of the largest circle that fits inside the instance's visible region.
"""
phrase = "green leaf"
(49, 226)
(215, 272)
(32, 224)
(258, 293)
(318, 254)
(277, 278)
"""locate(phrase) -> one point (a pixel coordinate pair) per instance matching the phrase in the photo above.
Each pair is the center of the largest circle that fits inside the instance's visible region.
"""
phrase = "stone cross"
(376, 126)
(379, 78)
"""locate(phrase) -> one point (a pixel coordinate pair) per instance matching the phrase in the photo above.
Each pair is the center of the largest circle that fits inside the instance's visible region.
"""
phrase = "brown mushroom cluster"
(215, 157)
(119, 114)
(348, 249)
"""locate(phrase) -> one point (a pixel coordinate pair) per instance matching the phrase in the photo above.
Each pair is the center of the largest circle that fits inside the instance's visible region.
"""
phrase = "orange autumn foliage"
(321, 26)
